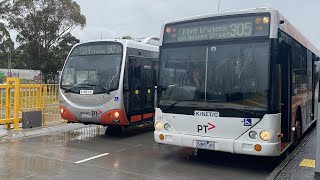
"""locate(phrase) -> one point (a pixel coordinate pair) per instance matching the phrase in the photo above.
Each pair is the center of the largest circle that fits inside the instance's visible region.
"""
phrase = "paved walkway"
(59, 127)
(301, 166)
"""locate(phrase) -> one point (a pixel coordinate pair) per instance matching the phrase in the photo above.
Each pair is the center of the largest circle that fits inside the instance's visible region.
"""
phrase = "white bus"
(110, 82)
(243, 82)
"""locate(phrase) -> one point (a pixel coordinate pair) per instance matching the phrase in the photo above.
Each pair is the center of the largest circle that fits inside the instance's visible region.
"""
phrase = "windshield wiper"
(252, 112)
(171, 105)
(71, 89)
(104, 90)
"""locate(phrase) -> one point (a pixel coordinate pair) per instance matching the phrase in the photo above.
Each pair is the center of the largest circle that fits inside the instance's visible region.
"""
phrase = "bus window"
(299, 69)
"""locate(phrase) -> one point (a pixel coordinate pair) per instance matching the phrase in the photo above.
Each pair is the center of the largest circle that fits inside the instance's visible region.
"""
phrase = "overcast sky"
(141, 18)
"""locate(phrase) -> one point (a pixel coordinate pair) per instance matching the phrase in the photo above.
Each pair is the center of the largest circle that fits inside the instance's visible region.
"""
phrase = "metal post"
(44, 105)
(219, 6)
(9, 61)
(317, 169)
(8, 103)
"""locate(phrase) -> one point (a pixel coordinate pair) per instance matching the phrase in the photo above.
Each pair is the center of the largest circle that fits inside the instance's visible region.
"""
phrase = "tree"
(42, 25)
(6, 45)
(4, 7)
(60, 54)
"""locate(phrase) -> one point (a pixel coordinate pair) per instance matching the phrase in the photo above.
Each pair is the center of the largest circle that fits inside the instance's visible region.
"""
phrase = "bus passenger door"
(285, 59)
(149, 82)
(136, 89)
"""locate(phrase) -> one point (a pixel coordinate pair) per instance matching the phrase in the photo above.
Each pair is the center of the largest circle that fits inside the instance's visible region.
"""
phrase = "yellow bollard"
(38, 98)
(16, 103)
(8, 103)
(44, 104)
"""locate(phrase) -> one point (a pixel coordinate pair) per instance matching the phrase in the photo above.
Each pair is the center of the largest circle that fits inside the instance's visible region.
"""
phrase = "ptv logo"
(206, 128)
(96, 113)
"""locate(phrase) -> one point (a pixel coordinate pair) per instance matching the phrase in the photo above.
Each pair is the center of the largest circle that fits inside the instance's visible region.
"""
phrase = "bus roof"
(276, 17)
(128, 43)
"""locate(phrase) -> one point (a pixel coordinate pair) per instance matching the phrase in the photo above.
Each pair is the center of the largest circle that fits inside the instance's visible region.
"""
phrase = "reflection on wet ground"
(130, 154)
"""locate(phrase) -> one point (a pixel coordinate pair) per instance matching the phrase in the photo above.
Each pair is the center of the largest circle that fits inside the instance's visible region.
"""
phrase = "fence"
(16, 98)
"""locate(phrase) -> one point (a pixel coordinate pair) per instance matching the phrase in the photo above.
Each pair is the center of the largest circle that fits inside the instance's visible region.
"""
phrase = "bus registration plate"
(86, 115)
(205, 145)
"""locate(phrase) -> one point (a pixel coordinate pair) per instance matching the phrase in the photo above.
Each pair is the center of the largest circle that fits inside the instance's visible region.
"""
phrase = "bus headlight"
(265, 135)
(61, 110)
(116, 114)
(167, 127)
(266, 20)
(158, 126)
(253, 134)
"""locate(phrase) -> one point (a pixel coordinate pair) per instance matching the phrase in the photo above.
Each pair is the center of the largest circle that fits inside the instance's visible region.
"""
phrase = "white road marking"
(121, 150)
(138, 145)
(94, 157)
(27, 176)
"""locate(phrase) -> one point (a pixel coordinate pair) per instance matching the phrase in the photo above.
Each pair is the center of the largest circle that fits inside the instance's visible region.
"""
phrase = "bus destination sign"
(97, 49)
(225, 28)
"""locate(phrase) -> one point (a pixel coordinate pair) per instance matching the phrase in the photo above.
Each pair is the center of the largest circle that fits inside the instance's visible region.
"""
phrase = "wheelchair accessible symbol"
(247, 122)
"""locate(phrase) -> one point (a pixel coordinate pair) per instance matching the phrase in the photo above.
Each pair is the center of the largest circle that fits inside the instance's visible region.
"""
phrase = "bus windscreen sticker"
(116, 98)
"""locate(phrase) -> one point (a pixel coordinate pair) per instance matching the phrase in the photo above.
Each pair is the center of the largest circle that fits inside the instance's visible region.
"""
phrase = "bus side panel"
(301, 72)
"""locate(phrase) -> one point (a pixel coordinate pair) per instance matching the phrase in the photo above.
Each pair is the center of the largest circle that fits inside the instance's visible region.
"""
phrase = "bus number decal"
(159, 118)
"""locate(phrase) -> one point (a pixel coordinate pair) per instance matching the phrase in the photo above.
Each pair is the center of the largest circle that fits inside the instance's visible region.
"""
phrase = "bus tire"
(298, 129)
(113, 130)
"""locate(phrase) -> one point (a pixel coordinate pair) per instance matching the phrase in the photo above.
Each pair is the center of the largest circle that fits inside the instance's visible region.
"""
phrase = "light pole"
(219, 6)
(9, 61)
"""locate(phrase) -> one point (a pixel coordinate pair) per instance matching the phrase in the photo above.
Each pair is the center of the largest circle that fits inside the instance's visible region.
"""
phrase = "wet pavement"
(294, 169)
(88, 153)
(37, 131)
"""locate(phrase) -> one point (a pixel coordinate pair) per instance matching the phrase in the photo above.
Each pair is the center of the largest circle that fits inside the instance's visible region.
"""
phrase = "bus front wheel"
(297, 132)
(113, 130)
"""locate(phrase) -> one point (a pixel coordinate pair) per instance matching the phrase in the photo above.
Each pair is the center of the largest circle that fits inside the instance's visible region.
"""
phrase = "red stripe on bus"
(136, 118)
(149, 115)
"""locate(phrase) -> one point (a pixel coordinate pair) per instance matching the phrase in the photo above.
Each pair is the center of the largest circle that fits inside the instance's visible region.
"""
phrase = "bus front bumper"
(220, 144)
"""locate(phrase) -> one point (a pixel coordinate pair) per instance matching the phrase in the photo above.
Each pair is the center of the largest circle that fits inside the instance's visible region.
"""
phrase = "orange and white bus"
(244, 82)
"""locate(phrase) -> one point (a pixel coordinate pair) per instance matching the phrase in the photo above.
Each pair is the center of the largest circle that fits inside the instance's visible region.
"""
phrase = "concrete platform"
(22, 133)
(301, 164)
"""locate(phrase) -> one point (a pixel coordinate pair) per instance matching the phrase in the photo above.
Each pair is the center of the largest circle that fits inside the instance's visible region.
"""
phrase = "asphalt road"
(90, 154)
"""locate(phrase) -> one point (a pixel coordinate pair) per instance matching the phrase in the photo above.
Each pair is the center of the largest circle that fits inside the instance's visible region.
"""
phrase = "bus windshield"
(93, 65)
(233, 75)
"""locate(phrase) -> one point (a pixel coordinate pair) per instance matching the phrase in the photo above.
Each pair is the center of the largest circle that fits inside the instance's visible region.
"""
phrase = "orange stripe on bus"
(136, 118)
(149, 115)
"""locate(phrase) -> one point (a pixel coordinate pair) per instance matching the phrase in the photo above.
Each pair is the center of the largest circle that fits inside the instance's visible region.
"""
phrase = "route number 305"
(241, 29)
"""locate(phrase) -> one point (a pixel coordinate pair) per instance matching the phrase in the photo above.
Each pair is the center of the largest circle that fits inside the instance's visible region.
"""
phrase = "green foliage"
(2, 79)
(4, 8)
(28, 81)
(5, 39)
(43, 28)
